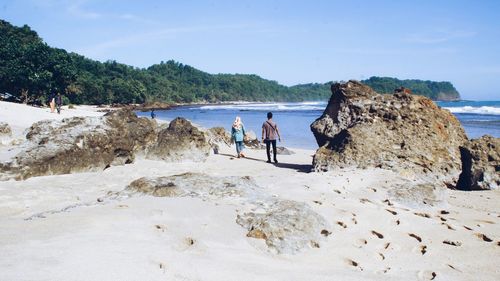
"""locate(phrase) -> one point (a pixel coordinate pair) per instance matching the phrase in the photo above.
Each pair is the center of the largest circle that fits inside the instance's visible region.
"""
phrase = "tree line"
(30, 70)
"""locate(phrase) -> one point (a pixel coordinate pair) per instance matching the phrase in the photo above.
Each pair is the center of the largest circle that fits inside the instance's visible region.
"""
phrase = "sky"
(291, 42)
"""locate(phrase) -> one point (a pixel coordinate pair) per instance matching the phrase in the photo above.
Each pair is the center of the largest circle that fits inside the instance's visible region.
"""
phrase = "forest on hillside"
(30, 70)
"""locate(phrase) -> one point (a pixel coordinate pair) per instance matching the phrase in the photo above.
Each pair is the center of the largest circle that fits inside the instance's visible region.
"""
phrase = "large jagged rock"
(286, 226)
(180, 141)
(80, 144)
(402, 132)
(480, 164)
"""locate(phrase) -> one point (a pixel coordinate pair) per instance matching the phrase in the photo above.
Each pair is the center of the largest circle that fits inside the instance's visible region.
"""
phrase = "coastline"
(83, 226)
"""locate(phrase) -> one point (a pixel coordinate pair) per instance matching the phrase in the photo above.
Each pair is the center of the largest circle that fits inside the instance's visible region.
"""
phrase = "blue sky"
(288, 41)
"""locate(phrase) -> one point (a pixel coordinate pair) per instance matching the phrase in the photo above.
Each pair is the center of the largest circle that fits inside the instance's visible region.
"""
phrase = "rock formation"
(5, 133)
(194, 185)
(81, 144)
(480, 164)
(286, 226)
(5, 129)
(180, 141)
(402, 132)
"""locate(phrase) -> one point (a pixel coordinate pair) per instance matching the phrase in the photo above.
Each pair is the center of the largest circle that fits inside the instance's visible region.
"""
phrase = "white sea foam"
(303, 106)
(487, 110)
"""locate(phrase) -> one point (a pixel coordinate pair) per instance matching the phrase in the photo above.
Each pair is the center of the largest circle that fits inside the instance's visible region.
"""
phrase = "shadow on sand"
(302, 168)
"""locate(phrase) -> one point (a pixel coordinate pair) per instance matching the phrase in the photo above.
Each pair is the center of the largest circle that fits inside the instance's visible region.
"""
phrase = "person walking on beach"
(269, 133)
(59, 103)
(153, 114)
(52, 102)
(237, 134)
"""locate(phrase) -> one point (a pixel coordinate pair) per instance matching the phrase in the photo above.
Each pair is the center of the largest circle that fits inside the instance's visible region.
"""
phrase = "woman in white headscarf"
(237, 133)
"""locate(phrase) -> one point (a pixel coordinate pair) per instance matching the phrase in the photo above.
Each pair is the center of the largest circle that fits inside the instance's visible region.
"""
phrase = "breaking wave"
(302, 106)
(483, 110)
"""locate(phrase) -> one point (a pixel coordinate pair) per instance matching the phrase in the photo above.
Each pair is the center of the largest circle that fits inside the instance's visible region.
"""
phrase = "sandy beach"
(85, 227)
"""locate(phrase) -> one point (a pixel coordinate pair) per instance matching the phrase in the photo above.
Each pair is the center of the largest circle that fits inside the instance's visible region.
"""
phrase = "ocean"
(293, 119)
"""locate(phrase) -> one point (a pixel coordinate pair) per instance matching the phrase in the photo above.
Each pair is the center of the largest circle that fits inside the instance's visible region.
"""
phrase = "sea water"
(294, 119)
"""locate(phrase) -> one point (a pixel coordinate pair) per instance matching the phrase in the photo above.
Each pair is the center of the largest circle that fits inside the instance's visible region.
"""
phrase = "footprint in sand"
(484, 237)
(326, 233)
(419, 239)
(423, 249)
(381, 256)
(361, 242)
(398, 222)
(162, 266)
(426, 275)
(383, 271)
(486, 221)
(364, 200)
(160, 227)
(424, 215)
(379, 235)
(189, 241)
(388, 202)
(448, 226)
(453, 243)
(454, 268)
(354, 264)
(343, 225)
(392, 212)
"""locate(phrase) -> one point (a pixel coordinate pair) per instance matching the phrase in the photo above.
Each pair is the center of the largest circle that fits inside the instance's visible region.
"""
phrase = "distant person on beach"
(59, 102)
(153, 114)
(269, 133)
(52, 102)
(237, 134)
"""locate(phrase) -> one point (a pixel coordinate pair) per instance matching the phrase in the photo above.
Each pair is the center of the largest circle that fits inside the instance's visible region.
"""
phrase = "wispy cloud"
(134, 18)
(102, 48)
(392, 51)
(76, 9)
(440, 36)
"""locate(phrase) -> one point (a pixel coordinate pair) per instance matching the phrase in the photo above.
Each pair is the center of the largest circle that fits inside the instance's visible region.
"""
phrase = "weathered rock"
(418, 195)
(402, 132)
(5, 130)
(480, 164)
(219, 135)
(251, 141)
(283, 151)
(180, 141)
(80, 144)
(194, 185)
(286, 226)
(5, 133)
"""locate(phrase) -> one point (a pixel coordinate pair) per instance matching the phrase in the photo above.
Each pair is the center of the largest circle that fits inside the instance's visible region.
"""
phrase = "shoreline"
(54, 224)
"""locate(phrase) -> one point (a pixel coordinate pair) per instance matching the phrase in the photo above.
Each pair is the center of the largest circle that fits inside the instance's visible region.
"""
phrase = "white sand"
(72, 236)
